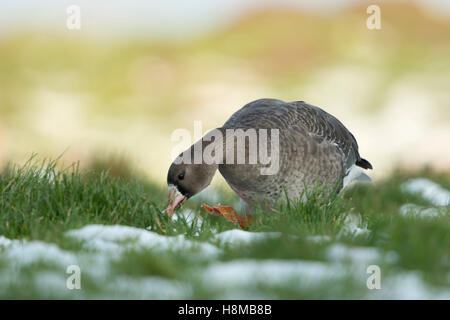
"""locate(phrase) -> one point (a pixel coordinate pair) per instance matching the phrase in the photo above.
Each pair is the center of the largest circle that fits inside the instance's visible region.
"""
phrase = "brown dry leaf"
(229, 213)
(211, 210)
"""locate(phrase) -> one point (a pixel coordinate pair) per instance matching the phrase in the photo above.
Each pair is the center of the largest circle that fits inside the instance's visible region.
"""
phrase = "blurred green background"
(136, 72)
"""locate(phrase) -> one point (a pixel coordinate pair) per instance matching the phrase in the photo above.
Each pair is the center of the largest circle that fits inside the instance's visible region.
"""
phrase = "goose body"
(314, 149)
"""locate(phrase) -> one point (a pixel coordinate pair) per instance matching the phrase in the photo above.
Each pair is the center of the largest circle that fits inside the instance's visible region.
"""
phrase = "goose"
(312, 148)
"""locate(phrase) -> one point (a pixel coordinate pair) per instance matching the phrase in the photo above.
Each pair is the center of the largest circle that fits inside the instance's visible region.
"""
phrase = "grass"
(40, 202)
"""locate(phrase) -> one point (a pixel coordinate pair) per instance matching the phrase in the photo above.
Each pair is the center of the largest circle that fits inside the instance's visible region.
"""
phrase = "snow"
(52, 285)
(428, 190)
(25, 253)
(246, 272)
(117, 238)
(6, 243)
(28, 253)
(236, 236)
(415, 211)
(147, 288)
(189, 216)
(407, 286)
(353, 227)
(359, 255)
(237, 278)
(47, 173)
(319, 239)
(240, 278)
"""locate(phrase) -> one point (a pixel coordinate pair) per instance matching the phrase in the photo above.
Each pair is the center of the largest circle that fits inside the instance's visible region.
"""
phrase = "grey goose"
(313, 147)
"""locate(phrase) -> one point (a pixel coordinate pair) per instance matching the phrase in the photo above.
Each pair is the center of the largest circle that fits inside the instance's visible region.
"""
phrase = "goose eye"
(181, 176)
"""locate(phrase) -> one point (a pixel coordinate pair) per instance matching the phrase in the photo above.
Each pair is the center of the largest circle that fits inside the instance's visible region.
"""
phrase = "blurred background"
(136, 71)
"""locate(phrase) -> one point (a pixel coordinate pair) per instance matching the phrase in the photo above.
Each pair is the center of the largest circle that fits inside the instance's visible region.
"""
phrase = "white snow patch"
(353, 226)
(46, 173)
(360, 256)
(415, 211)
(189, 216)
(23, 253)
(409, 286)
(239, 277)
(52, 285)
(236, 236)
(429, 190)
(27, 253)
(246, 272)
(148, 288)
(319, 239)
(117, 238)
(7, 243)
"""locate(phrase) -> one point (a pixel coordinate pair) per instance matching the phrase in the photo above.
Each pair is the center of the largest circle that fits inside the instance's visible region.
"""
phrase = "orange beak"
(176, 199)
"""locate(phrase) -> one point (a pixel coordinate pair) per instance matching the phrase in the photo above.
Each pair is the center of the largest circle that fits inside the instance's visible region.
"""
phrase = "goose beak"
(176, 199)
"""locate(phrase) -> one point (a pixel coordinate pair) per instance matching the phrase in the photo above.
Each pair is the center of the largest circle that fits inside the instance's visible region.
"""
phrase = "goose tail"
(354, 174)
(363, 163)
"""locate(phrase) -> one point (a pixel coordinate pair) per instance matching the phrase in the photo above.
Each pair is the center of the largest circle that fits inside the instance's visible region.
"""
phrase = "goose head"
(186, 179)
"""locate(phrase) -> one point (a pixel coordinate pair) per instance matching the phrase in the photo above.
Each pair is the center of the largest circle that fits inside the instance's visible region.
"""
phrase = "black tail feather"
(363, 163)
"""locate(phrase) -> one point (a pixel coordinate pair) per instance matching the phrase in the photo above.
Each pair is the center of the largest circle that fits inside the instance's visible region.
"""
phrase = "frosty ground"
(115, 230)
